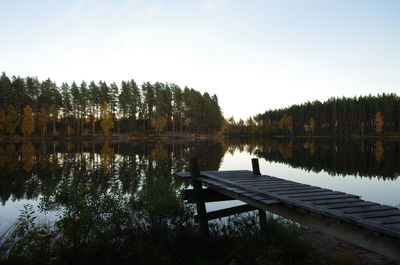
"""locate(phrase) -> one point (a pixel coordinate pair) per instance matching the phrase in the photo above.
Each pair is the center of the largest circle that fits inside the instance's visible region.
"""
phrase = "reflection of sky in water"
(374, 189)
(10, 212)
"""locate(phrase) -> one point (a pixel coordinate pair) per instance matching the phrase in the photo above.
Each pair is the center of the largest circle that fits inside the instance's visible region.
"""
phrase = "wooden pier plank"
(292, 187)
(316, 193)
(357, 204)
(379, 214)
(305, 191)
(327, 197)
(368, 209)
(346, 200)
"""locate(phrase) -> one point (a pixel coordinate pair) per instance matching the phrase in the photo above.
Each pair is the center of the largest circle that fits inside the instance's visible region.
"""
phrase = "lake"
(30, 172)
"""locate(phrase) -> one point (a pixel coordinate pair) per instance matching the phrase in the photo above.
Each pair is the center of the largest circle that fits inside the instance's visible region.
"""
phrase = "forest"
(29, 107)
(360, 116)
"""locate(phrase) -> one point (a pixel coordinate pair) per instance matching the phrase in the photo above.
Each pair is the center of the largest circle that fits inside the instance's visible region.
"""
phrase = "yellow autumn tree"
(312, 125)
(379, 121)
(286, 122)
(107, 122)
(28, 121)
(158, 124)
(310, 128)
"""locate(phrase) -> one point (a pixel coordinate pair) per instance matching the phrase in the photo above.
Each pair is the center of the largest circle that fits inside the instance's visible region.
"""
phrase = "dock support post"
(200, 205)
(256, 166)
(263, 219)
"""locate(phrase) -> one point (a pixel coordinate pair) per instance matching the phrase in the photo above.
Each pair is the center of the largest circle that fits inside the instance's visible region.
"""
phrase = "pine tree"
(94, 102)
(66, 104)
(2, 121)
(53, 111)
(6, 92)
(12, 120)
(76, 100)
(42, 120)
(177, 106)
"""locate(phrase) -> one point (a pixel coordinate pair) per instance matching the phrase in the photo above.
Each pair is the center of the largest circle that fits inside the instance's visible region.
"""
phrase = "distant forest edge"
(359, 116)
(31, 107)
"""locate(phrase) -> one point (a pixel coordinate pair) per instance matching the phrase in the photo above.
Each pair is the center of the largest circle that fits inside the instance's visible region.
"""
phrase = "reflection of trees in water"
(28, 156)
(11, 158)
(336, 156)
(379, 152)
(30, 169)
(107, 155)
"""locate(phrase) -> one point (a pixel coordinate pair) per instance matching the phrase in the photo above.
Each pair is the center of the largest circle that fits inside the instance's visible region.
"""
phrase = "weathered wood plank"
(285, 188)
(365, 209)
(386, 220)
(275, 184)
(313, 194)
(357, 204)
(377, 214)
(325, 202)
(327, 197)
(310, 190)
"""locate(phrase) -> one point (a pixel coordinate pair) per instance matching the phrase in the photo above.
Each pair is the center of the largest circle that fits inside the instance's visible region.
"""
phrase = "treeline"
(365, 115)
(29, 106)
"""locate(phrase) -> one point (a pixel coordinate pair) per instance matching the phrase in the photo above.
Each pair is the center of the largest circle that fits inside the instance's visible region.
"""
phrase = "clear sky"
(253, 54)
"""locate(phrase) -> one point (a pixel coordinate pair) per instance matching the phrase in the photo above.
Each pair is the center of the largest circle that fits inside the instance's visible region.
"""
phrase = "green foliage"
(2, 121)
(29, 241)
(12, 120)
(158, 206)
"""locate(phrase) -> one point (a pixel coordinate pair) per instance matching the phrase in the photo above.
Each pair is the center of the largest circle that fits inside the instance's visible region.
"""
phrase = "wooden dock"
(346, 216)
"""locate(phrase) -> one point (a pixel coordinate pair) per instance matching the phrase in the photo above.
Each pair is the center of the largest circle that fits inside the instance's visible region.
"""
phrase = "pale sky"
(254, 55)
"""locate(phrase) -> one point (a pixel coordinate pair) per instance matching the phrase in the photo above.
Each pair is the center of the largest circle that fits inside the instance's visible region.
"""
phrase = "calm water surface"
(30, 172)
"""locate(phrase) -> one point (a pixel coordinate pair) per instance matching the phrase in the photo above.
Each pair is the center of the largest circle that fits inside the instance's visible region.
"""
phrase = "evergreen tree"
(32, 91)
(95, 104)
(12, 120)
(6, 94)
(2, 121)
(53, 111)
(177, 106)
(42, 120)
